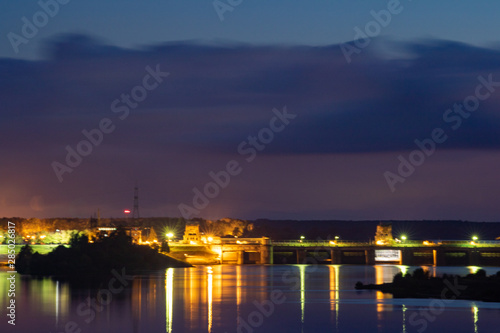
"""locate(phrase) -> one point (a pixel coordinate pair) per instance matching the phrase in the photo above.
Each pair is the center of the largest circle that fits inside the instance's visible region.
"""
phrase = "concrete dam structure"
(412, 253)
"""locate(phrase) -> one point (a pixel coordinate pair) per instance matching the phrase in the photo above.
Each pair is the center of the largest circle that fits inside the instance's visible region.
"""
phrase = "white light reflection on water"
(302, 270)
(404, 308)
(210, 299)
(475, 311)
(169, 296)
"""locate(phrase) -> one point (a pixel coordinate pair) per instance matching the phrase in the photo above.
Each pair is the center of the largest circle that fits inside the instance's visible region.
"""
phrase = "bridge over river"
(266, 251)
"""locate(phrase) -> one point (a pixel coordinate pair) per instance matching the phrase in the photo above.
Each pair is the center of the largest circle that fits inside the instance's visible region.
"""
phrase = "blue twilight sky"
(339, 158)
(132, 23)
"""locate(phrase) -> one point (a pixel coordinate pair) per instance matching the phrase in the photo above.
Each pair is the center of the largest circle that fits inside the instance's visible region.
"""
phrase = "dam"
(412, 253)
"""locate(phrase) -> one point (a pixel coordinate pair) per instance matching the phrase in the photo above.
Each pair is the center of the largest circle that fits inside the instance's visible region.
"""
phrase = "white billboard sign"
(387, 255)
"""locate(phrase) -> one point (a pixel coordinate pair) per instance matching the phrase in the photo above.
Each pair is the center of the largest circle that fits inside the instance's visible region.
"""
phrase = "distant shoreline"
(472, 287)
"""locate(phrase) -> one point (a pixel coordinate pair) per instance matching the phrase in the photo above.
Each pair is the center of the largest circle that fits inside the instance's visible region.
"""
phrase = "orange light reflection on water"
(335, 292)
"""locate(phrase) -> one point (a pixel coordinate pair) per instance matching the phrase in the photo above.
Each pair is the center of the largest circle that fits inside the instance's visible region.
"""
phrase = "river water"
(248, 298)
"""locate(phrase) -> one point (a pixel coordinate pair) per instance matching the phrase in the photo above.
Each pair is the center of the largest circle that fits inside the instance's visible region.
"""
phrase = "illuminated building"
(192, 233)
(383, 235)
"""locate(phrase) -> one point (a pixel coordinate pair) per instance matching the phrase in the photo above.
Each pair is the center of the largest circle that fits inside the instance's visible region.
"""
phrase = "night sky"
(329, 132)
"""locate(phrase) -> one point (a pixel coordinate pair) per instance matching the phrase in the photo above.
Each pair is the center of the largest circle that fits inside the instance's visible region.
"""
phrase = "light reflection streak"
(152, 297)
(238, 290)
(210, 297)
(404, 271)
(475, 311)
(302, 270)
(137, 299)
(334, 292)
(404, 318)
(169, 292)
(379, 279)
(53, 295)
(57, 302)
(191, 292)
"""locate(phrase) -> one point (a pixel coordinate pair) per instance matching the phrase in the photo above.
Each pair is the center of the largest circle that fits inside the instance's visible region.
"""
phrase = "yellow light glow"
(380, 242)
(210, 239)
(473, 269)
(332, 243)
(217, 250)
(403, 237)
(403, 268)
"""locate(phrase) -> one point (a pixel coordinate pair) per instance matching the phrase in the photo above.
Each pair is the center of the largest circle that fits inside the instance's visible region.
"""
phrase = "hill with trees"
(36, 229)
(86, 262)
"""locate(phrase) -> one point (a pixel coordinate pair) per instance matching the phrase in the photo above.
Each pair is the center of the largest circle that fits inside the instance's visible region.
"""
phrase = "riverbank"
(93, 262)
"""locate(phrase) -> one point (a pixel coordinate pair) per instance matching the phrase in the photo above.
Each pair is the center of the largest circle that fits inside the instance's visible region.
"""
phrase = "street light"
(403, 238)
(169, 235)
(475, 238)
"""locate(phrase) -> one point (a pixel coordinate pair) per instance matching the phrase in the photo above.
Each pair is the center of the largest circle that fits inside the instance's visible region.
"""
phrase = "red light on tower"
(127, 211)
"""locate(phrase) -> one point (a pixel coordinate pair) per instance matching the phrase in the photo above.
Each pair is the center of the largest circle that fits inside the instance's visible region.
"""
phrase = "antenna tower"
(135, 212)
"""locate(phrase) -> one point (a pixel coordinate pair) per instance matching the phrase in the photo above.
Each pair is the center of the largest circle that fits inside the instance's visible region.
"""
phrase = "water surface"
(248, 298)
